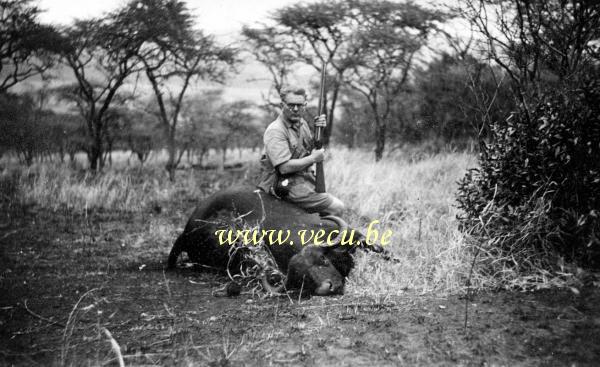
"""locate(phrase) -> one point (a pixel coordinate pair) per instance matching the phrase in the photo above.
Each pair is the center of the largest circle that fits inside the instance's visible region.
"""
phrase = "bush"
(535, 198)
(18, 126)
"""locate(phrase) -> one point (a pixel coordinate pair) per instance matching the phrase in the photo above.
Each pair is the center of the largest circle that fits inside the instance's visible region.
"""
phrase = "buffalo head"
(320, 269)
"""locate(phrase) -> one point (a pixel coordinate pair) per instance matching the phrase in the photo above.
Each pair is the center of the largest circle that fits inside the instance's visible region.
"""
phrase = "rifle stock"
(320, 174)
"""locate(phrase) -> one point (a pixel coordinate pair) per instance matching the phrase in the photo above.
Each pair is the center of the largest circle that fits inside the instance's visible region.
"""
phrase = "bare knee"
(336, 208)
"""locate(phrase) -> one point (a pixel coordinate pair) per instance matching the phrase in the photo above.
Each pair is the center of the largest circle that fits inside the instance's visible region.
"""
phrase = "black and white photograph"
(299, 183)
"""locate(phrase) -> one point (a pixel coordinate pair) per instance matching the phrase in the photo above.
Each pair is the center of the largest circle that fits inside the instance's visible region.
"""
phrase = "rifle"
(320, 174)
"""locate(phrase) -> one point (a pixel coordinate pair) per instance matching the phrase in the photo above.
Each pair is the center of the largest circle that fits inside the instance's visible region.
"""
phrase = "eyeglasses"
(293, 106)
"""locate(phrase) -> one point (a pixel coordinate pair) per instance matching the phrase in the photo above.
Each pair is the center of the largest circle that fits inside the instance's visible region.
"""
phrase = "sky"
(219, 17)
(222, 18)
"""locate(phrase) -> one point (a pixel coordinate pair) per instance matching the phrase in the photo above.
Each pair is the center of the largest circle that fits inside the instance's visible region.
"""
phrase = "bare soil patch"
(66, 276)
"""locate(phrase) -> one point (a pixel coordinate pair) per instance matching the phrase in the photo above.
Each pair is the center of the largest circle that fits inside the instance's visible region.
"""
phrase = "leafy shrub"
(535, 199)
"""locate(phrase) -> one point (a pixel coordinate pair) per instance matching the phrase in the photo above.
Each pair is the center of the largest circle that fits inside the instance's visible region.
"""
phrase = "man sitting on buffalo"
(288, 157)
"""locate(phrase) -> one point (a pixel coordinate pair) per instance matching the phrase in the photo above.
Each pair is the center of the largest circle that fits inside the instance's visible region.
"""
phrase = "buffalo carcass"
(320, 270)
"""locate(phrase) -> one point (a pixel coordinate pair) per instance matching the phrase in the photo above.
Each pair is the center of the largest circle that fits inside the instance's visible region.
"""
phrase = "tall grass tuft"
(57, 186)
(415, 200)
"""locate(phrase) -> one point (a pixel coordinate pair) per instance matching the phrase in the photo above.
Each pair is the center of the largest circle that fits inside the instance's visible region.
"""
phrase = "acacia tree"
(234, 122)
(173, 55)
(27, 47)
(356, 116)
(387, 39)
(141, 133)
(310, 34)
(320, 33)
(460, 96)
(200, 122)
(539, 44)
(209, 122)
(26, 124)
(101, 56)
(268, 46)
(19, 132)
(200, 60)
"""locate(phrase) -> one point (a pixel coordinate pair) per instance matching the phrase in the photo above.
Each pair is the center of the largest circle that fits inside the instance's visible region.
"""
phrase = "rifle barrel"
(321, 104)
(320, 174)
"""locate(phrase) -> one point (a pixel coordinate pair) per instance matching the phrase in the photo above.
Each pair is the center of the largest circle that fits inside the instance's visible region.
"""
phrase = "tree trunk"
(61, 153)
(96, 149)
(95, 157)
(380, 131)
(224, 157)
(171, 160)
(202, 155)
(329, 128)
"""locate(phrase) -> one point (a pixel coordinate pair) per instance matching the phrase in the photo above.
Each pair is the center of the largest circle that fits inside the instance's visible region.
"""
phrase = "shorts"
(303, 194)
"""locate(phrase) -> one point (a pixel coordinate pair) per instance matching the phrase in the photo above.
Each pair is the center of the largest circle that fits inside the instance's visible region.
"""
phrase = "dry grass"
(124, 186)
(415, 200)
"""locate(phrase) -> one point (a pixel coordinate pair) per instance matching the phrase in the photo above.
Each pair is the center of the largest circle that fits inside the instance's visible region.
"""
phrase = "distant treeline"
(439, 107)
(383, 88)
(35, 133)
(447, 103)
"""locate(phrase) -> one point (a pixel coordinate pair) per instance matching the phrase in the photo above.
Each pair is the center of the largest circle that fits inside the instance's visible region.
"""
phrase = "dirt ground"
(66, 279)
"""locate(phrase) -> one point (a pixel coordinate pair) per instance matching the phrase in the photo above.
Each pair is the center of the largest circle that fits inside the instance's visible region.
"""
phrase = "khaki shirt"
(284, 141)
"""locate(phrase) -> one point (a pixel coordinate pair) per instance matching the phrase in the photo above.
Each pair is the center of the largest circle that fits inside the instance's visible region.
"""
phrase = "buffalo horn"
(342, 226)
